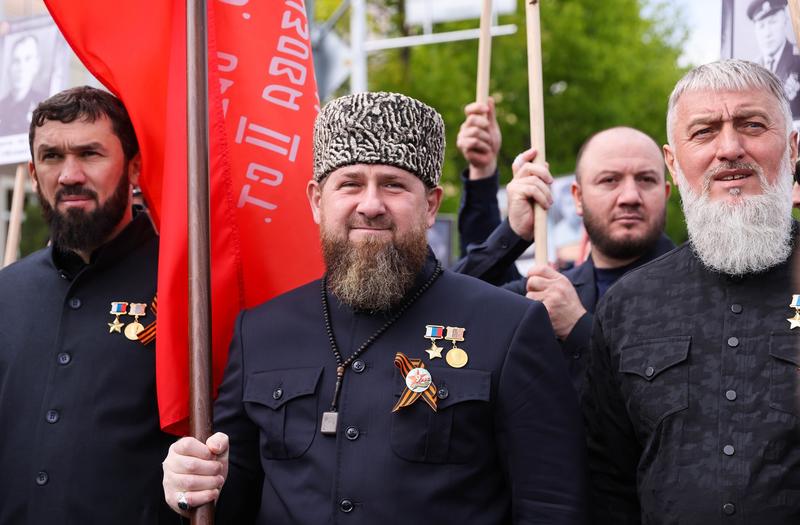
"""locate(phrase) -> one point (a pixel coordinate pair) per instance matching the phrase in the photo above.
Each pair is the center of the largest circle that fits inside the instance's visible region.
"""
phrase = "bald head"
(621, 193)
(617, 143)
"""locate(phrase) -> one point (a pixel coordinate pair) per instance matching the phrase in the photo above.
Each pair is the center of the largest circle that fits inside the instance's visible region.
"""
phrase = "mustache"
(74, 191)
(732, 165)
(381, 222)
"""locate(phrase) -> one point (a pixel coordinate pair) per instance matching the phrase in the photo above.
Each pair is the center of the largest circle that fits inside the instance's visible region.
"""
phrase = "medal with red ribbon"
(419, 382)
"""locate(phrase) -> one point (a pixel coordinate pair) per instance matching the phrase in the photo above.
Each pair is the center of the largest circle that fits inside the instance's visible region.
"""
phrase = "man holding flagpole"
(80, 440)
(382, 391)
(620, 191)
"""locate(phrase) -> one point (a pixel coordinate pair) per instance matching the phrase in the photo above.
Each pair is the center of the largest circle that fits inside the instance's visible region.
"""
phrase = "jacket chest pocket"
(456, 430)
(655, 378)
(784, 394)
(283, 403)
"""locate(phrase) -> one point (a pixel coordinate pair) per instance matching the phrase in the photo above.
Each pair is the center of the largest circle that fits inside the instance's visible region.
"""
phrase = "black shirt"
(80, 441)
(691, 401)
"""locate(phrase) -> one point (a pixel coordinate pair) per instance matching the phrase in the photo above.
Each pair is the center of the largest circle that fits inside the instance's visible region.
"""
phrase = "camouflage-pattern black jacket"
(691, 401)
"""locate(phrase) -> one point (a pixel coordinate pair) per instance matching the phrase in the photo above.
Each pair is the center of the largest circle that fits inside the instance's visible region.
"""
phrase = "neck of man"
(604, 262)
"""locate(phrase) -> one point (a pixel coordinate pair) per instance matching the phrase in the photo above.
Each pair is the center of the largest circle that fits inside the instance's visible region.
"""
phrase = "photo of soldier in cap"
(772, 27)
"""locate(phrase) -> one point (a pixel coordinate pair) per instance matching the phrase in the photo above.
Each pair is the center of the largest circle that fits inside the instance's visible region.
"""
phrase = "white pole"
(358, 36)
(15, 221)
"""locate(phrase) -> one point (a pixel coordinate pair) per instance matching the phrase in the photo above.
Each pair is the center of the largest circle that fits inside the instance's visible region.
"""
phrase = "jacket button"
(352, 433)
(277, 394)
(63, 275)
(729, 509)
(52, 416)
(346, 505)
(64, 358)
(42, 478)
(730, 395)
(442, 393)
(733, 342)
(358, 366)
(74, 303)
(576, 355)
(736, 308)
(728, 450)
(649, 371)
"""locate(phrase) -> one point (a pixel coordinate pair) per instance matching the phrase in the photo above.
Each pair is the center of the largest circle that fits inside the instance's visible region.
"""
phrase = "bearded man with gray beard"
(391, 390)
(691, 402)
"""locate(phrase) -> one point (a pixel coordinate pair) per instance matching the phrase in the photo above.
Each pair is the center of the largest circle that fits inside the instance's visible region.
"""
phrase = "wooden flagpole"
(198, 220)
(15, 220)
(484, 53)
(536, 103)
(794, 11)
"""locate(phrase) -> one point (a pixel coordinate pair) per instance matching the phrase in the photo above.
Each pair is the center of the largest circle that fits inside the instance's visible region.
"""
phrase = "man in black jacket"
(691, 398)
(619, 190)
(80, 439)
(327, 422)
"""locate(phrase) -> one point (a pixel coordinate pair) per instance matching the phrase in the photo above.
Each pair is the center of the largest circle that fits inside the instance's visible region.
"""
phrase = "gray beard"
(745, 237)
(373, 275)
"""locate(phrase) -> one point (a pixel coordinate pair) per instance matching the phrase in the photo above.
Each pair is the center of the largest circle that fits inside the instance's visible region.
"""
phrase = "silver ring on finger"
(183, 504)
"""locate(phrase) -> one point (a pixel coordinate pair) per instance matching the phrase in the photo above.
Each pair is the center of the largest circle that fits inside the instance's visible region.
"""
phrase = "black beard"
(373, 275)
(77, 230)
(620, 249)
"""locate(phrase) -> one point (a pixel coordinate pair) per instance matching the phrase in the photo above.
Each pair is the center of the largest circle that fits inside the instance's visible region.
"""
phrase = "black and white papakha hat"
(379, 128)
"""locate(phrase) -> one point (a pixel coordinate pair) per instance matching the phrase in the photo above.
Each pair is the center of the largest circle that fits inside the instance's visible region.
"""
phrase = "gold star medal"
(434, 332)
(794, 322)
(132, 330)
(117, 308)
(456, 357)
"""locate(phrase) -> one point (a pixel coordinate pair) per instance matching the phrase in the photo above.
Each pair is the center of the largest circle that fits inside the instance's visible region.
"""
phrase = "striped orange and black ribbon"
(408, 397)
(148, 335)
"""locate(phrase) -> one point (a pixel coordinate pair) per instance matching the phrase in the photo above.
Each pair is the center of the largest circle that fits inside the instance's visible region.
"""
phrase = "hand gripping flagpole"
(484, 53)
(198, 217)
(15, 220)
(536, 103)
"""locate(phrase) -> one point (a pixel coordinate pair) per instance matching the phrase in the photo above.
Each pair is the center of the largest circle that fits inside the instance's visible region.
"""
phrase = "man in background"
(619, 190)
(80, 440)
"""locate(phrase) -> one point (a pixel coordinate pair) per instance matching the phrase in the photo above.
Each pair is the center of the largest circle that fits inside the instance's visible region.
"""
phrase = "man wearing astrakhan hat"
(771, 24)
(391, 390)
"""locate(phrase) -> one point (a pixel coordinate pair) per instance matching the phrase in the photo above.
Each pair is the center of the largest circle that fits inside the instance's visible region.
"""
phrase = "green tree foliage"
(605, 63)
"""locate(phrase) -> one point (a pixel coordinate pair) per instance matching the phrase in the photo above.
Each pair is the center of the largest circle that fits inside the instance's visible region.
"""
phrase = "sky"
(704, 19)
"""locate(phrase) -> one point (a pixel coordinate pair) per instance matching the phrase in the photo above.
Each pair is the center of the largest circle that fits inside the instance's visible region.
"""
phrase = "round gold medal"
(456, 357)
(132, 330)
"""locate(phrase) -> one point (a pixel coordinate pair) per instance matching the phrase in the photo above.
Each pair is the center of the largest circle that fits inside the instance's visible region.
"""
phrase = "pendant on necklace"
(329, 423)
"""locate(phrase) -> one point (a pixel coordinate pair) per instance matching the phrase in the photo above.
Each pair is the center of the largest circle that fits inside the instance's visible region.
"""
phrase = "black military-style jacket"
(80, 440)
(504, 446)
(693, 397)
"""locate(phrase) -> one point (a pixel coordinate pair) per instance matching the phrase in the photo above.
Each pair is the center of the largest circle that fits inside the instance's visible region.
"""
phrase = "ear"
(135, 169)
(793, 146)
(314, 194)
(667, 188)
(434, 199)
(669, 159)
(32, 174)
(577, 197)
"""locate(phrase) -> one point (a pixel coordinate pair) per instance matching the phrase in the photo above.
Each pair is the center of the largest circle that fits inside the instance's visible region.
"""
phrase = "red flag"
(262, 105)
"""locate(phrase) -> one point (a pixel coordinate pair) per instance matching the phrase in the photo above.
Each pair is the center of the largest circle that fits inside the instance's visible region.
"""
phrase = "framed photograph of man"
(34, 60)
(761, 31)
